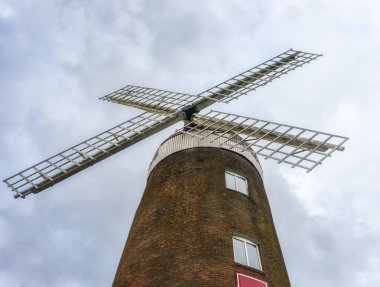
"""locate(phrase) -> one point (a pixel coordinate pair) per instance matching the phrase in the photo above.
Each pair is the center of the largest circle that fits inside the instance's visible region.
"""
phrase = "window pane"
(253, 256)
(230, 181)
(241, 185)
(239, 252)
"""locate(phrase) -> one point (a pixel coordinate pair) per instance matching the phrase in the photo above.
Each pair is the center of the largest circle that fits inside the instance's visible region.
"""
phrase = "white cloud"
(6, 10)
(58, 57)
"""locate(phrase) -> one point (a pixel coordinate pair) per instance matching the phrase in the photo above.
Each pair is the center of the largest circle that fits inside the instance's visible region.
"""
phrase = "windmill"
(204, 218)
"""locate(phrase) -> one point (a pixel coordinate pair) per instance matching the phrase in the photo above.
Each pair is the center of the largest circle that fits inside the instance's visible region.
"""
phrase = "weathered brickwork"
(182, 231)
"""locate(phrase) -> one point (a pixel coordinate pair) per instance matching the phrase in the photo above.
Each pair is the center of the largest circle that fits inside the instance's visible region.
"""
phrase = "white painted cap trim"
(181, 141)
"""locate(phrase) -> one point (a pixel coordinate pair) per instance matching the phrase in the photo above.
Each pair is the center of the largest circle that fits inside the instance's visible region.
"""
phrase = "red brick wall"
(182, 231)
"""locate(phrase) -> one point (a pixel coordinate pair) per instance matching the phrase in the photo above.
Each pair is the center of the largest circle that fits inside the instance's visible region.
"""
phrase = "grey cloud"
(58, 57)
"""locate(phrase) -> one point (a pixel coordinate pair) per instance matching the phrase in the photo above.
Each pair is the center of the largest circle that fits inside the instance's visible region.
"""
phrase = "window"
(236, 182)
(246, 252)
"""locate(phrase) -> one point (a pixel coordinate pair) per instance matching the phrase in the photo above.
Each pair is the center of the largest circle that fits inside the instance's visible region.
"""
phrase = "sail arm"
(255, 77)
(299, 147)
(150, 100)
(85, 154)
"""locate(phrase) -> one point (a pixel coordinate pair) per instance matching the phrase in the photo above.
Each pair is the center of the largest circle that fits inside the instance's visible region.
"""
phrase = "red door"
(247, 281)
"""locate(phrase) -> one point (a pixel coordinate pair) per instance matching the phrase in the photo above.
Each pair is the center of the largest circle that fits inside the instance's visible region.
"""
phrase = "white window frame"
(246, 241)
(235, 175)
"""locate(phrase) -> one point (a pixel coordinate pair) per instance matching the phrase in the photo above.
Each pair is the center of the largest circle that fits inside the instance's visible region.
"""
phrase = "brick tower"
(204, 220)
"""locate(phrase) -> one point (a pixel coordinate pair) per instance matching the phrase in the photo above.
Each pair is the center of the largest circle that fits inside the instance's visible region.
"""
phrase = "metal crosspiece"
(298, 147)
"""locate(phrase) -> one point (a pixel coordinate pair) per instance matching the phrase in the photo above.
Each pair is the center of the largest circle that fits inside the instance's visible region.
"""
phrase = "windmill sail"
(167, 102)
(296, 146)
(151, 100)
(87, 153)
(255, 77)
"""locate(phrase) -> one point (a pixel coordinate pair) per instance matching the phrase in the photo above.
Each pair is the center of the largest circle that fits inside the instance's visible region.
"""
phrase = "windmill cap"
(181, 141)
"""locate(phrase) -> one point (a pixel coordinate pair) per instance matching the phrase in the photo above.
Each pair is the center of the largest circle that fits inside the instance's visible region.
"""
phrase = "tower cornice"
(178, 142)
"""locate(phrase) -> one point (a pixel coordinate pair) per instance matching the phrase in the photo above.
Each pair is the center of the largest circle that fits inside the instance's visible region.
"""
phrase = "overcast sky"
(58, 57)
